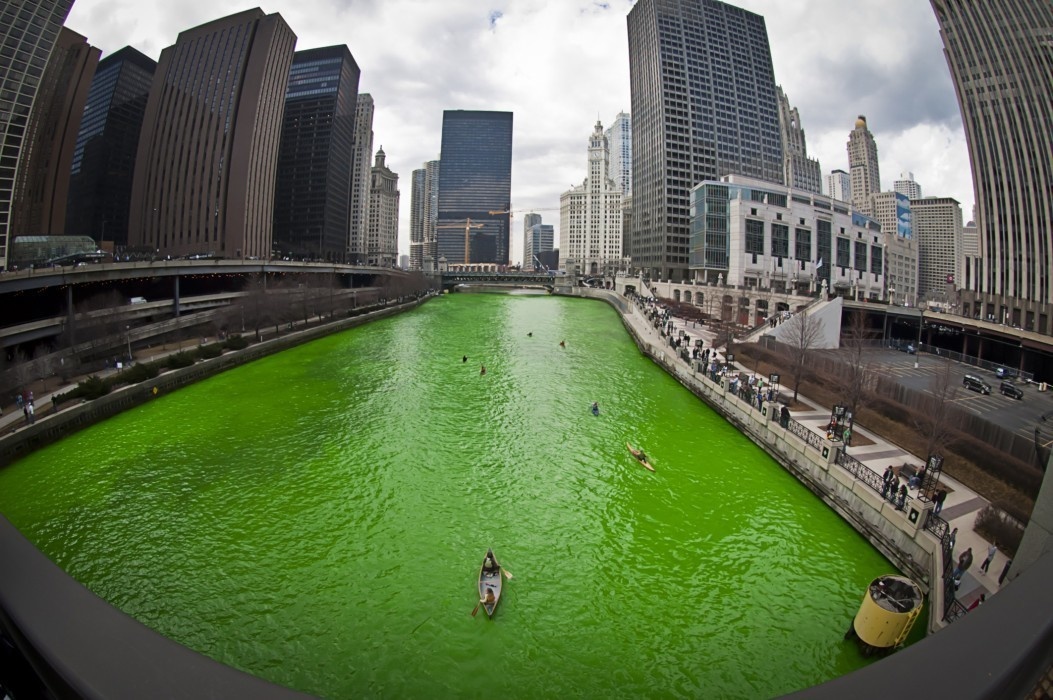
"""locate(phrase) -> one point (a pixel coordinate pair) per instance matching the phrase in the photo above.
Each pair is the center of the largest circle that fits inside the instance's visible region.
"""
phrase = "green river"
(318, 518)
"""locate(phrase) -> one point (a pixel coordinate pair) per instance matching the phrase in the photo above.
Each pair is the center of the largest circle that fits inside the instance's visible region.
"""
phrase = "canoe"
(489, 580)
(636, 453)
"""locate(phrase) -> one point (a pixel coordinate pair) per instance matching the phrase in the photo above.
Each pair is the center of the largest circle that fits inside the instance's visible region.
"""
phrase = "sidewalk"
(959, 509)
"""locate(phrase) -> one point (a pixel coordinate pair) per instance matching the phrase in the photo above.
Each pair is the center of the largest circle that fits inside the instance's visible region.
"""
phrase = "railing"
(802, 431)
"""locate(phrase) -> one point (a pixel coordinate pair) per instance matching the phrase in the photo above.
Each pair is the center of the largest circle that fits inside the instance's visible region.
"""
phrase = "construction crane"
(468, 226)
(520, 211)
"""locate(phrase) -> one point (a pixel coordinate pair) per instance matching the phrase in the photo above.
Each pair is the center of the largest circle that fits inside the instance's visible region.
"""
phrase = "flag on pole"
(819, 264)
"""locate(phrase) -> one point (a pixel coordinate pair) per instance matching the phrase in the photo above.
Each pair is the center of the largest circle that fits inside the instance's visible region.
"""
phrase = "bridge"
(535, 280)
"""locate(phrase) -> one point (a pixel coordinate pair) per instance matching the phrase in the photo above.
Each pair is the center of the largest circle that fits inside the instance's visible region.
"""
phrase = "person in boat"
(464, 359)
(489, 599)
(482, 369)
(530, 334)
(595, 408)
(641, 456)
(563, 343)
(488, 563)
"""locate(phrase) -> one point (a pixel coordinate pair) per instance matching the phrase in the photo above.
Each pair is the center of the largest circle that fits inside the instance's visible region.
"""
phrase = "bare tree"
(936, 420)
(799, 336)
(854, 378)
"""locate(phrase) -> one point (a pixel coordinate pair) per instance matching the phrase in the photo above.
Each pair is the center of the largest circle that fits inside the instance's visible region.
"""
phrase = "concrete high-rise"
(42, 183)
(537, 243)
(206, 165)
(937, 223)
(620, 141)
(892, 210)
(799, 171)
(382, 223)
(703, 106)
(313, 189)
(361, 177)
(907, 186)
(416, 228)
(28, 29)
(863, 166)
(590, 217)
(100, 188)
(475, 179)
(839, 186)
(998, 52)
(431, 214)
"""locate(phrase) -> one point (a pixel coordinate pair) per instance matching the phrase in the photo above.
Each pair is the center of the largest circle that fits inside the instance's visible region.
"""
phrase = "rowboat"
(489, 582)
(639, 457)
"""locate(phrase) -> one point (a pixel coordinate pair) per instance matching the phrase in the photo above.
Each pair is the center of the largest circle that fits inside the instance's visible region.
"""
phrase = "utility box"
(890, 607)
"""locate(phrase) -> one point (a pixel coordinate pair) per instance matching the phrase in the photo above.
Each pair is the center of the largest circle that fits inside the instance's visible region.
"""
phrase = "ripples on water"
(318, 518)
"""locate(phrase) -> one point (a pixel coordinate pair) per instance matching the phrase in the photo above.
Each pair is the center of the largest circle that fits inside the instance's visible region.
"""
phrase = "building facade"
(28, 29)
(938, 229)
(998, 52)
(863, 168)
(538, 243)
(620, 141)
(361, 178)
(42, 184)
(431, 214)
(416, 228)
(206, 165)
(703, 105)
(892, 211)
(906, 186)
(590, 217)
(839, 186)
(475, 179)
(799, 171)
(312, 192)
(382, 224)
(100, 188)
(753, 233)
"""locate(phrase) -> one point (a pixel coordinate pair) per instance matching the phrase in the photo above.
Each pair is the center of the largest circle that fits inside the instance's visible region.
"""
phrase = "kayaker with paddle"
(595, 408)
(639, 454)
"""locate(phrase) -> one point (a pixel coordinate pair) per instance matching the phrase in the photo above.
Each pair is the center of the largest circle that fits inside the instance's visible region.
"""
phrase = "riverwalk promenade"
(656, 326)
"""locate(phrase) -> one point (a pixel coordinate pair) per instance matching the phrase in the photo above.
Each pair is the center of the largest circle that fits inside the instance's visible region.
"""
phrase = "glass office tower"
(475, 179)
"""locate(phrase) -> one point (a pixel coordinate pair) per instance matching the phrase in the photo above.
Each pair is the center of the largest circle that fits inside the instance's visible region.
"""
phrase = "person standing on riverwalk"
(991, 551)
(965, 560)
(937, 501)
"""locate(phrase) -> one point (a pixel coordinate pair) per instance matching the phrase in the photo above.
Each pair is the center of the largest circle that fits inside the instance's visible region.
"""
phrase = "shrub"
(179, 360)
(1000, 527)
(207, 352)
(140, 372)
(236, 342)
(91, 388)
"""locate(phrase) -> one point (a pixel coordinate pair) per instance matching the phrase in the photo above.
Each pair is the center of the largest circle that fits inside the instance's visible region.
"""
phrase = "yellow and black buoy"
(889, 609)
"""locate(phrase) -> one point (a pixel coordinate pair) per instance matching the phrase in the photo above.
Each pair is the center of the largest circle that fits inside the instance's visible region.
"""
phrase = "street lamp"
(128, 337)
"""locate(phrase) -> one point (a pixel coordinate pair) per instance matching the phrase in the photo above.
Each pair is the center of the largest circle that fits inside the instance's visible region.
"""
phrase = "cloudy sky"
(560, 65)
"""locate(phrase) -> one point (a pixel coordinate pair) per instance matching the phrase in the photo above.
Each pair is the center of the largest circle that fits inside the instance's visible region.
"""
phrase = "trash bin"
(1042, 386)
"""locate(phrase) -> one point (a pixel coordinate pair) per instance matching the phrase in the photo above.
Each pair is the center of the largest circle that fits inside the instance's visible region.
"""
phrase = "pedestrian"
(902, 497)
(1005, 571)
(893, 488)
(32, 414)
(937, 501)
(887, 476)
(991, 551)
(965, 560)
(951, 539)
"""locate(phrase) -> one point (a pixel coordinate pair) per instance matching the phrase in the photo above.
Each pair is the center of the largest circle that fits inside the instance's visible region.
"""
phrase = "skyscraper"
(431, 214)
(361, 176)
(863, 166)
(590, 216)
(313, 189)
(998, 52)
(907, 186)
(937, 224)
(28, 29)
(620, 141)
(703, 106)
(799, 171)
(382, 222)
(42, 184)
(839, 186)
(539, 240)
(100, 187)
(475, 179)
(205, 168)
(418, 198)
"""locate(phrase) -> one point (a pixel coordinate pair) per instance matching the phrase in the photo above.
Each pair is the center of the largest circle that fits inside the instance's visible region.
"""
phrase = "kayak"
(639, 457)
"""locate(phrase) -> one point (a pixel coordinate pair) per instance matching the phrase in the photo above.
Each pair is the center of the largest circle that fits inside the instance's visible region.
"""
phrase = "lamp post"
(128, 337)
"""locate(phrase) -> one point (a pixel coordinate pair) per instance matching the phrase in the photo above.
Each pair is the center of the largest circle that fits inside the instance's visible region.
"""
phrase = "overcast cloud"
(560, 65)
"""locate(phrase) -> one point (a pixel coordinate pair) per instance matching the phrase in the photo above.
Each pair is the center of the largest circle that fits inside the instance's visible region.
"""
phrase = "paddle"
(476, 608)
(507, 573)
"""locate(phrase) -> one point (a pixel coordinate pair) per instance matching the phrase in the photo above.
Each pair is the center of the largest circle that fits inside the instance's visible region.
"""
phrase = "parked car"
(974, 383)
(1006, 373)
(1011, 390)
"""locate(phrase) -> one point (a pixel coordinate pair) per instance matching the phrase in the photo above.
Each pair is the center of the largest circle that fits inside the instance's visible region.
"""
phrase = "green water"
(318, 518)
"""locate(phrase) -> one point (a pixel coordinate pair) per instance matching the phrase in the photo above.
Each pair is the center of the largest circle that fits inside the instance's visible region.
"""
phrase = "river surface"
(318, 518)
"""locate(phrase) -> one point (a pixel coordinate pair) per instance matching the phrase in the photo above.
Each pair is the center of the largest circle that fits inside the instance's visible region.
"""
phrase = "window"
(780, 240)
(803, 244)
(754, 236)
